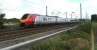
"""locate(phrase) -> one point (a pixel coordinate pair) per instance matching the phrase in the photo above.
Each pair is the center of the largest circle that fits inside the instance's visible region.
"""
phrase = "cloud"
(89, 6)
(10, 7)
(16, 8)
(11, 4)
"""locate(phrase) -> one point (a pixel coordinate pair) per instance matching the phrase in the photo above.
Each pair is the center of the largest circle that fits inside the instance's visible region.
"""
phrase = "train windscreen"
(25, 16)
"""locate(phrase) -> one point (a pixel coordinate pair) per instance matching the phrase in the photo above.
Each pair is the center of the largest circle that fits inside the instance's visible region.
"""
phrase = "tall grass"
(76, 39)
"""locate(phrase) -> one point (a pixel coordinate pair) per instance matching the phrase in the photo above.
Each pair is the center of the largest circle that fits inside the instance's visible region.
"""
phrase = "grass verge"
(76, 39)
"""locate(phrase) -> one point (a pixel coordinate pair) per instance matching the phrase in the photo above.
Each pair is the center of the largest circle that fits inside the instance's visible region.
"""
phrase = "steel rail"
(48, 34)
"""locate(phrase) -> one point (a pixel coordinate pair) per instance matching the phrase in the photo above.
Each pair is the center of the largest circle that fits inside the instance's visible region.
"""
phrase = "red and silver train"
(34, 19)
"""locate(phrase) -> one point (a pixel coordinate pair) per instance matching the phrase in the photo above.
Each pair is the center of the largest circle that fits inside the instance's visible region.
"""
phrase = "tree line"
(4, 20)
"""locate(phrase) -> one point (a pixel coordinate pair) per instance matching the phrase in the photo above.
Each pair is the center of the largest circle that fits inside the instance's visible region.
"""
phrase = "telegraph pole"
(46, 11)
(86, 14)
(66, 15)
(71, 15)
(80, 11)
(0, 11)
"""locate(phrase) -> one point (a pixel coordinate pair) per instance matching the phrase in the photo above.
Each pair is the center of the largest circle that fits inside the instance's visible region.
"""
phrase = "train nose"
(30, 21)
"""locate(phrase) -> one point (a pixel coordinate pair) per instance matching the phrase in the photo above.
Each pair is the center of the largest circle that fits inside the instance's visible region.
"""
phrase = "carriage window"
(49, 18)
(44, 19)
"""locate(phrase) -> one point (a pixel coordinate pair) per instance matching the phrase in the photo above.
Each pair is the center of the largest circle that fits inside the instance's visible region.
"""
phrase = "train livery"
(34, 19)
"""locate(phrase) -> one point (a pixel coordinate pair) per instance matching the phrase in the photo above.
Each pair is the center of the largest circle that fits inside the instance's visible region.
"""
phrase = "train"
(35, 19)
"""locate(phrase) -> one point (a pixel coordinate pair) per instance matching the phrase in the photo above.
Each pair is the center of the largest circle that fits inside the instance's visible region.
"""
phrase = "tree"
(94, 17)
(1, 20)
(13, 20)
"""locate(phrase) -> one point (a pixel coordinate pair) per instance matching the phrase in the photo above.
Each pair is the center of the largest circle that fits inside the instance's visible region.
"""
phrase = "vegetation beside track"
(1, 20)
(7, 23)
(76, 39)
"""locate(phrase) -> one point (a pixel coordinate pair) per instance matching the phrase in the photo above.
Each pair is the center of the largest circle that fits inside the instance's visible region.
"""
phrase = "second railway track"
(26, 32)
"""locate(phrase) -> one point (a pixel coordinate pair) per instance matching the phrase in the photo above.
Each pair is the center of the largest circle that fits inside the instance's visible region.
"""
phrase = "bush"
(86, 27)
(1, 25)
(76, 39)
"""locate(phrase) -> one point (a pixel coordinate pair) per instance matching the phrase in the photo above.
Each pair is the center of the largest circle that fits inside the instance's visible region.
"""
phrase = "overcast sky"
(16, 8)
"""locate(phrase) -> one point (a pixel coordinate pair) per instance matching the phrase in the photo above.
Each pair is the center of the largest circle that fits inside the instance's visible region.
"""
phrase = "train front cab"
(22, 21)
(28, 20)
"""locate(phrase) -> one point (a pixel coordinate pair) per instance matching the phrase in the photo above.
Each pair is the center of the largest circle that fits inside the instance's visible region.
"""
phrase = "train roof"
(43, 15)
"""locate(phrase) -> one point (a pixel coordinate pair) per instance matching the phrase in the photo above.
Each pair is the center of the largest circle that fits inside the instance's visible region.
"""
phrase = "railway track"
(24, 42)
(26, 32)
(11, 28)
